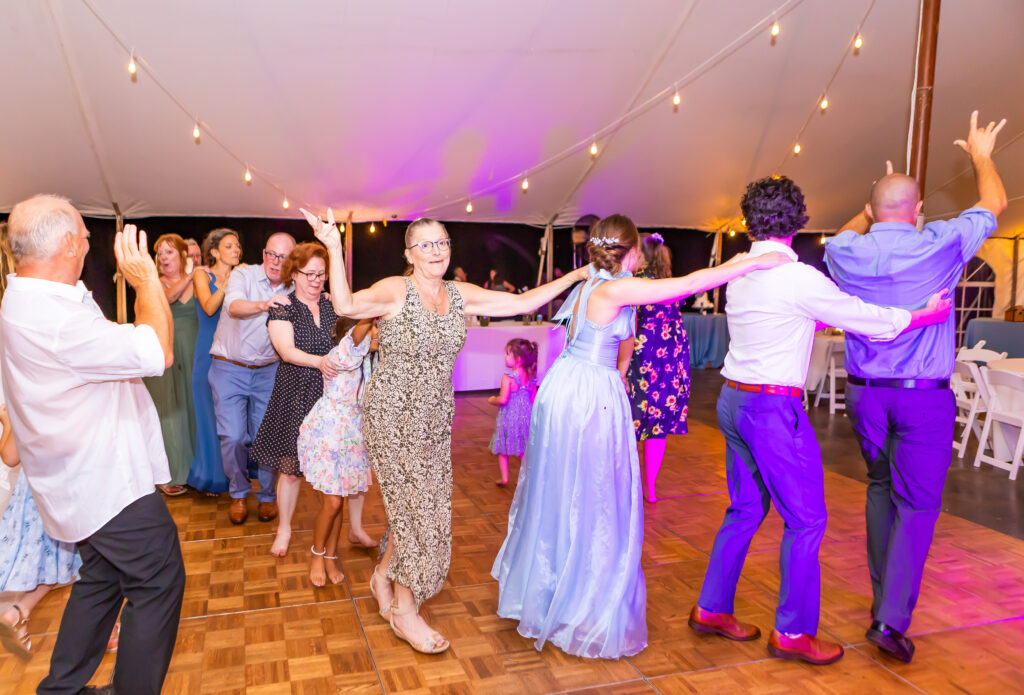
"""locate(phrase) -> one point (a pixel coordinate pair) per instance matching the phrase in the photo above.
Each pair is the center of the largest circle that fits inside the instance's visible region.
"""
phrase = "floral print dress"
(659, 371)
(330, 445)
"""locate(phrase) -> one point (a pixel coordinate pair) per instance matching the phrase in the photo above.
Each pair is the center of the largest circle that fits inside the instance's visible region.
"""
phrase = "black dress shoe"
(99, 689)
(891, 641)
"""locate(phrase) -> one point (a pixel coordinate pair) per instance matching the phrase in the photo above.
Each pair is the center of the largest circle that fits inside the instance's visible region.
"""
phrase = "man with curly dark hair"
(897, 394)
(772, 455)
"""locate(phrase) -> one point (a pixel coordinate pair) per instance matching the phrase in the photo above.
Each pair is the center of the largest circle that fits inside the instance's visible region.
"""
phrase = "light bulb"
(285, 204)
(676, 99)
(195, 132)
(469, 207)
(797, 148)
(822, 239)
(526, 184)
(593, 149)
(248, 175)
(384, 222)
(858, 42)
(131, 64)
(776, 29)
(744, 222)
(732, 232)
(373, 228)
(824, 103)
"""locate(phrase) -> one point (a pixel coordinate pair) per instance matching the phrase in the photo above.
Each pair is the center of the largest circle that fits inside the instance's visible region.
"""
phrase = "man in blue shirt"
(898, 393)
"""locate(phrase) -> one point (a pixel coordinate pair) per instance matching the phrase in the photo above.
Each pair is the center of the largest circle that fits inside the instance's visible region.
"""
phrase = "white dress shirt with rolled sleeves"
(84, 424)
(772, 315)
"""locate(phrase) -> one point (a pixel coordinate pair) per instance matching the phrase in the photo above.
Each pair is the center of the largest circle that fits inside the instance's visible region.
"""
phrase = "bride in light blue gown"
(569, 569)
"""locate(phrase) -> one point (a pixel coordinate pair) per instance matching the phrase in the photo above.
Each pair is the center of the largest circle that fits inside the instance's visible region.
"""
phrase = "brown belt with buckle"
(240, 364)
(766, 388)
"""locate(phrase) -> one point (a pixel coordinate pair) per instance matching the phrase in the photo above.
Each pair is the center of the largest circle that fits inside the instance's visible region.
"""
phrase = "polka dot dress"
(296, 389)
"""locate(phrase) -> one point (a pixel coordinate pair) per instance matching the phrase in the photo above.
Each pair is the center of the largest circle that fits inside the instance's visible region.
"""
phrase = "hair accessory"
(604, 242)
(657, 237)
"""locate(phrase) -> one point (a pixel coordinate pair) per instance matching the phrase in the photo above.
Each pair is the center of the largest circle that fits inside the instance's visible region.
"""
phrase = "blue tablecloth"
(999, 335)
(709, 339)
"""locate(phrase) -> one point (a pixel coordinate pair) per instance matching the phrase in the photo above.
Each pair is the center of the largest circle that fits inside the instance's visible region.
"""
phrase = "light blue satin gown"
(569, 569)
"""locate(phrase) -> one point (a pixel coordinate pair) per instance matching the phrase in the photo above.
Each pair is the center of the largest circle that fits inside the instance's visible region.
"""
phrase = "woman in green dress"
(172, 392)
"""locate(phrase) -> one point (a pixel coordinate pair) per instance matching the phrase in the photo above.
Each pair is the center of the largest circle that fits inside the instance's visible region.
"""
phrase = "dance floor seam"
(253, 624)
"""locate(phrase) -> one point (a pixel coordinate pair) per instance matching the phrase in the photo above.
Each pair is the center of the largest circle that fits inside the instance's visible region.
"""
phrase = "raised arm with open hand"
(979, 145)
(139, 270)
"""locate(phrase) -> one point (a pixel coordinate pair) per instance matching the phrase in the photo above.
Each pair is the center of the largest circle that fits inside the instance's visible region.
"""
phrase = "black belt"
(922, 384)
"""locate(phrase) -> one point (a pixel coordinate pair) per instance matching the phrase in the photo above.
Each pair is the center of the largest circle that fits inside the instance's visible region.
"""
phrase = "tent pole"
(717, 251)
(121, 291)
(921, 108)
(1013, 272)
(549, 259)
(348, 250)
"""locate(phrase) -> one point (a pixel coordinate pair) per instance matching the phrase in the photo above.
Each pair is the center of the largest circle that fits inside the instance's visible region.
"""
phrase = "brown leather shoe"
(724, 624)
(804, 648)
(268, 511)
(238, 512)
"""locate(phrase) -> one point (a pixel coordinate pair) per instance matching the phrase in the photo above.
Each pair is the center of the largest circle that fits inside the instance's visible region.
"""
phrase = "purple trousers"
(904, 437)
(772, 456)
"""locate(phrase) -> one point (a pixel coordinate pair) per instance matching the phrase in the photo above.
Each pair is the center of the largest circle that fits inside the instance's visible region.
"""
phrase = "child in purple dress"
(515, 403)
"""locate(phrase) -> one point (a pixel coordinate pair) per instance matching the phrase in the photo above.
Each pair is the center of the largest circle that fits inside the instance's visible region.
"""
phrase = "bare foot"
(280, 546)
(334, 573)
(361, 538)
(317, 575)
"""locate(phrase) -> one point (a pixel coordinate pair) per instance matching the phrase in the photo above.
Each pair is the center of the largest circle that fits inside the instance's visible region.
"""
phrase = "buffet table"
(709, 339)
(999, 335)
(482, 360)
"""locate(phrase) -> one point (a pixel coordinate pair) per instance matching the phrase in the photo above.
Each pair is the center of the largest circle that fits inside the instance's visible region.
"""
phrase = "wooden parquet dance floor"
(254, 624)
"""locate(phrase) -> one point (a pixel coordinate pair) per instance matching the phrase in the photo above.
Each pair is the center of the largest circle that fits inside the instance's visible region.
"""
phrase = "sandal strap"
(22, 620)
(330, 557)
(322, 553)
(398, 610)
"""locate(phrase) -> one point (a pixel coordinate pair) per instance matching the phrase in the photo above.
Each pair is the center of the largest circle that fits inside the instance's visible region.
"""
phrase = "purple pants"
(772, 456)
(904, 436)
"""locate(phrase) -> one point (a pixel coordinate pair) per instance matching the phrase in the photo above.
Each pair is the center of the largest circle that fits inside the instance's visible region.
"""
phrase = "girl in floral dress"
(330, 448)
(515, 403)
(659, 371)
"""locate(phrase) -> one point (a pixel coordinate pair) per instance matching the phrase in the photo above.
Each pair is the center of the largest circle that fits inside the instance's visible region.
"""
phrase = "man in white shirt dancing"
(90, 443)
(772, 455)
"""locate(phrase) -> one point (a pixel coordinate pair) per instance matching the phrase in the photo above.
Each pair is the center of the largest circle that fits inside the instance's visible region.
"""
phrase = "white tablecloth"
(482, 360)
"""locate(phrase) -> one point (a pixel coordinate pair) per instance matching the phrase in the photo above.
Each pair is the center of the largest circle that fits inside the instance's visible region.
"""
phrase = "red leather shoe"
(267, 511)
(804, 648)
(238, 512)
(724, 624)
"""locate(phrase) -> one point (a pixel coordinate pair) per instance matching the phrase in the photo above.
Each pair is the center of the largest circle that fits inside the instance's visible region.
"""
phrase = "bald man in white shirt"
(90, 443)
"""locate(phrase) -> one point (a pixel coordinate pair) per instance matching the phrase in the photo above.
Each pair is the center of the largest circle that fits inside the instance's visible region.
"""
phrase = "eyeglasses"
(427, 246)
(274, 256)
(318, 275)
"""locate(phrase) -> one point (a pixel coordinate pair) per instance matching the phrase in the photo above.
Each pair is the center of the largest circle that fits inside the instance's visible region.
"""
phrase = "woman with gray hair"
(409, 408)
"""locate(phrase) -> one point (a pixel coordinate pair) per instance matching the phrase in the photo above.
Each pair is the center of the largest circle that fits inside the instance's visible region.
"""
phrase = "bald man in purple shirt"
(897, 393)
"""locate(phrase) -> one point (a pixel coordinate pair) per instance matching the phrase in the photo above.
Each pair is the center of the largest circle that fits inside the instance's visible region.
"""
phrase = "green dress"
(172, 394)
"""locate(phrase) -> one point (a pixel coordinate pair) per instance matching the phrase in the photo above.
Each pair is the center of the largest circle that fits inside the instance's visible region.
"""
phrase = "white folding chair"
(1001, 422)
(835, 371)
(979, 353)
(967, 385)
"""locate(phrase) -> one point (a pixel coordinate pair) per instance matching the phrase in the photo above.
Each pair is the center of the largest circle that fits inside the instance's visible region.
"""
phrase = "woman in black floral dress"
(659, 371)
(301, 333)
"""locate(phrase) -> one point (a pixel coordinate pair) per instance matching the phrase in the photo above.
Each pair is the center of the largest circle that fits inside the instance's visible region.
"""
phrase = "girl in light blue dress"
(569, 569)
(515, 403)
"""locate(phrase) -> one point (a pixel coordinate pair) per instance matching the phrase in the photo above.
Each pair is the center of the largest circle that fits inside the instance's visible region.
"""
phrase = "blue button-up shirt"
(246, 340)
(895, 265)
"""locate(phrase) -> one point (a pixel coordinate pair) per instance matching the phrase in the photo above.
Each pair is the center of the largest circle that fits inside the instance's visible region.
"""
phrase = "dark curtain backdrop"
(510, 249)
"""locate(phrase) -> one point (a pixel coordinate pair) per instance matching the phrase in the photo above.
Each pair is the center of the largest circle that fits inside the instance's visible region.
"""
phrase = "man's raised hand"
(980, 141)
(133, 259)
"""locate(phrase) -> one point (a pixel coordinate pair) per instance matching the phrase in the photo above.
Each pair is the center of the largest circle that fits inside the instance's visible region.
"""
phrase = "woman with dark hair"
(659, 367)
(221, 253)
(569, 569)
(172, 391)
(409, 407)
(301, 334)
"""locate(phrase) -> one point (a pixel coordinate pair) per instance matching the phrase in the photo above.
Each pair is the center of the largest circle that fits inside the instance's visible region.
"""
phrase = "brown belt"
(766, 388)
(240, 364)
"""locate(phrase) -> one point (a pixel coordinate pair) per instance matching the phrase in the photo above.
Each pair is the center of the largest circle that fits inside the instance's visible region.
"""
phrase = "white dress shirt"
(772, 314)
(85, 426)
(246, 340)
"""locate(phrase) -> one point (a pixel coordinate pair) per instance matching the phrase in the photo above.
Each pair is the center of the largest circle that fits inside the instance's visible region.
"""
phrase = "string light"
(526, 184)
(743, 222)
(131, 64)
(248, 174)
(384, 222)
(676, 99)
(797, 148)
(469, 207)
(858, 42)
(732, 232)
(285, 204)
(195, 132)
(776, 29)
(822, 239)
(593, 149)
(373, 228)
(824, 103)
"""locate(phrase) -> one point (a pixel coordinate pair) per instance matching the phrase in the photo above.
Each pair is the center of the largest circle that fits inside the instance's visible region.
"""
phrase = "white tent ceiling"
(405, 107)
